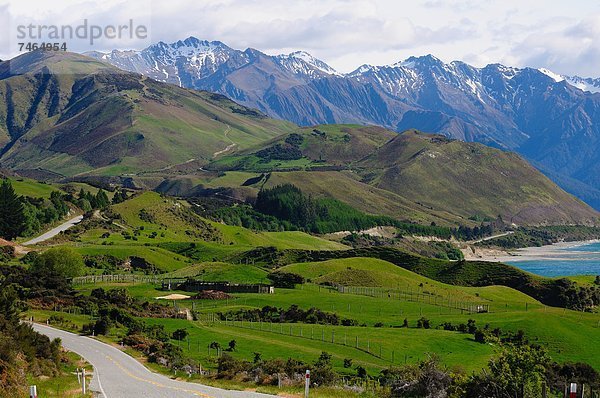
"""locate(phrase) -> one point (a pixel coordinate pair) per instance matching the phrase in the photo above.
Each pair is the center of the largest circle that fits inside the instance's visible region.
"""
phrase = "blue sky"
(563, 36)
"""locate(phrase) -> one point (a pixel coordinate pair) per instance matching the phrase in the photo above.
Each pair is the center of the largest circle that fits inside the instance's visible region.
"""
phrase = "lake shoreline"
(556, 251)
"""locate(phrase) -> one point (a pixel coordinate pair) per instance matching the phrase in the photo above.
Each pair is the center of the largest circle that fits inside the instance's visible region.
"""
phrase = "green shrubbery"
(293, 314)
(22, 350)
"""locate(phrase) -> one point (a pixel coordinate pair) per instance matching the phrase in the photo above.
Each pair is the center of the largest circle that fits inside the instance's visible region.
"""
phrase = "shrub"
(285, 280)
(423, 323)
(179, 334)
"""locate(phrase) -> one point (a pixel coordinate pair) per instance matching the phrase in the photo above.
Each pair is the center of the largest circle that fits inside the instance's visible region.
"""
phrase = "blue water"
(580, 260)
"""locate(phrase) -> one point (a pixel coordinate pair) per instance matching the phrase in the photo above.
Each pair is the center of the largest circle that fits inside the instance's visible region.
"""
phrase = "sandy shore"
(557, 251)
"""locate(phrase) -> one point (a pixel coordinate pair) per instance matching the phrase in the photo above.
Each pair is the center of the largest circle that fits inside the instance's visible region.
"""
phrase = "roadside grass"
(64, 385)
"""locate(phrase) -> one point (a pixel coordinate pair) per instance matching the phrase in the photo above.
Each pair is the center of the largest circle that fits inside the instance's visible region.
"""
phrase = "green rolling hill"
(68, 114)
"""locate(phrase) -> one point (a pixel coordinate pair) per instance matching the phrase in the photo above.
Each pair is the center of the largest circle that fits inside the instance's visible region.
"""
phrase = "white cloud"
(563, 36)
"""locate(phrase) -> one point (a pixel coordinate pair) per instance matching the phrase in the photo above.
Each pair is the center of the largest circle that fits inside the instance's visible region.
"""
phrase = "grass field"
(568, 335)
(216, 272)
(32, 188)
(164, 231)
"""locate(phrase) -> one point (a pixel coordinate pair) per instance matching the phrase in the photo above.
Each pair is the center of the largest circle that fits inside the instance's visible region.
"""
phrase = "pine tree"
(102, 199)
(12, 213)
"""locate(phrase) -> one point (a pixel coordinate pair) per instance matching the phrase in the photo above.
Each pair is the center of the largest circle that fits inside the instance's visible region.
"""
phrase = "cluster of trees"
(324, 215)
(297, 210)
(87, 201)
(468, 233)
(25, 216)
(289, 150)
(293, 314)
(243, 215)
(285, 280)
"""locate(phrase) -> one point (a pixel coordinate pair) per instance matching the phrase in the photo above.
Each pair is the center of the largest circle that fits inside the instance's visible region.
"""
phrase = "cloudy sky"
(563, 36)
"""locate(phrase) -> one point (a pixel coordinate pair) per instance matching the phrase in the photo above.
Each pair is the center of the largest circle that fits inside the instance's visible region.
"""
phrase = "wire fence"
(338, 335)
(465, 306)
(124, 278)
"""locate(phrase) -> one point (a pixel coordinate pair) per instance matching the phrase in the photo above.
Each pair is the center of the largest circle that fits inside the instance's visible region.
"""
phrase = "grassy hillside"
(88, 116)
(448, 180)
(155, 228)
(471, 179)
(371, 272)
(317, 147)
(34, 189)
(556, 292)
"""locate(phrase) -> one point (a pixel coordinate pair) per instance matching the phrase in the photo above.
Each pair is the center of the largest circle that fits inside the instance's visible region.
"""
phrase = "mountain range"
(66, 116)
(552, 120)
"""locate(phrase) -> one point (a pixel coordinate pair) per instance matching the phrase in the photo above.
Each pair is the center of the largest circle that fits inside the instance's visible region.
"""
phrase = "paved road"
(55, 231)
(117, 375)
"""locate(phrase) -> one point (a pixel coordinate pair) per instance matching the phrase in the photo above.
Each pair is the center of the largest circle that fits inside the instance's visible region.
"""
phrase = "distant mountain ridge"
(546, 117)
(64, 115)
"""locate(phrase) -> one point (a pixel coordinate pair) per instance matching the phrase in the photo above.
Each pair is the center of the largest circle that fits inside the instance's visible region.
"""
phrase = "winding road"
(54, 231)
(117, 375)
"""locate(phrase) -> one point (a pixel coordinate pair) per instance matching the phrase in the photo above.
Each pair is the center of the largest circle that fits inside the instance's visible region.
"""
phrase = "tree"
(286, 280)
(102, 200)
(119, 196)
(12, 213)
(423, 323)
(323, 372)
(180, 334)
(62, 261)
(9, 307)
(517, 372)
(361, 372)
(232, 345)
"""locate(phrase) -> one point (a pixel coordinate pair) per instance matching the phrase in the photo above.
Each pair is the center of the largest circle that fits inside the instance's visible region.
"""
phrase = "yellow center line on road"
(157, 384)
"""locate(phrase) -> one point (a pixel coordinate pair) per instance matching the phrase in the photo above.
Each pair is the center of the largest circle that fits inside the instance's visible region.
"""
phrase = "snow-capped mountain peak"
(555, 76)
(301, 62)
